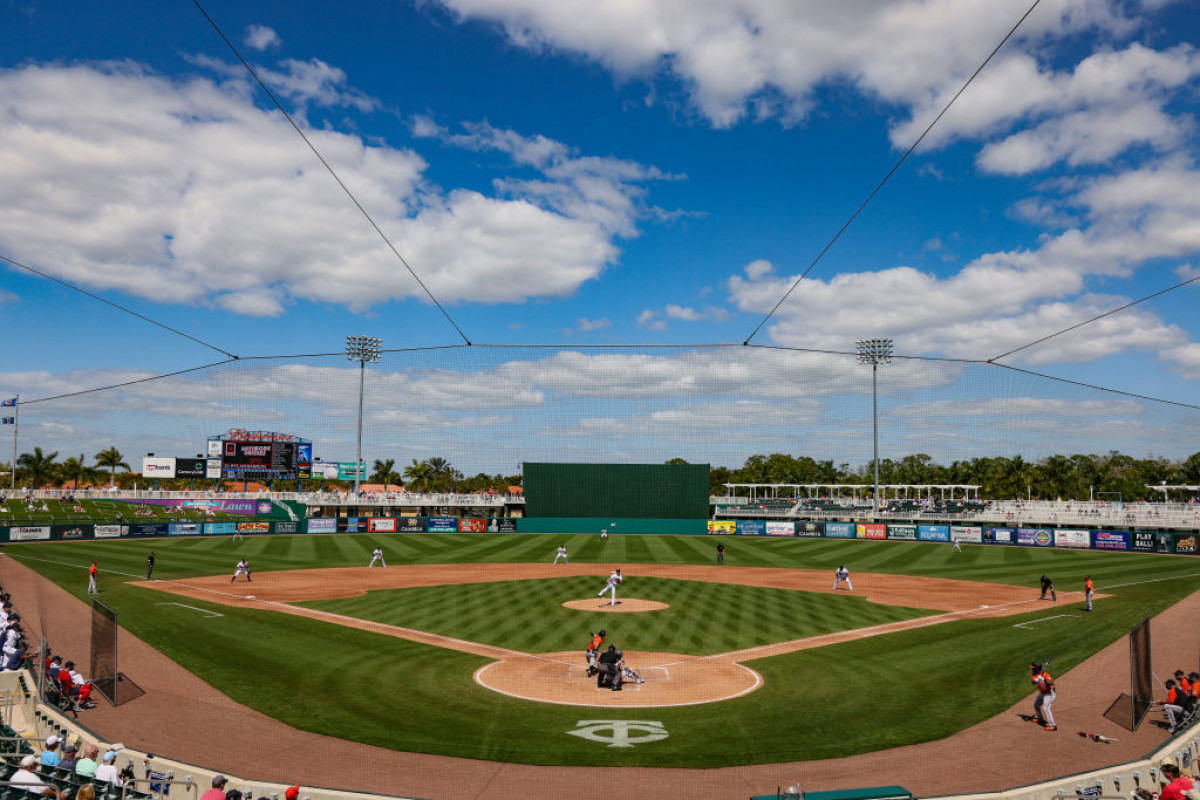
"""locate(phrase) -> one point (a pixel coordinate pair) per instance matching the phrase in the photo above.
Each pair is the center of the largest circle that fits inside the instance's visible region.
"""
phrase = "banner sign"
(191, 467)
(322, 525)
(1110, 540)
(810, 530)
(185, 529)
(933, 533)
(254, 527)
(1035, 537)
(505, 525)
(751, 527)
(906, 532)
(999, 535)
(220, 528)
(1145, 542)
(410, 525)
(382, 525)
(70, 531)
(1186, 544)
(869, 531)
(111, 531)
(158, 467)
(214, 449)
(966, 533)
(224, 506)
(149, 529)
(212, 467)
(443, 525)
(1070, 538)
(472, 525)
(304, 460)
(352, 524)
(722, 526)
(782, 528)
(839, 530)
(286, 526)
(346, 471)
(328, 472)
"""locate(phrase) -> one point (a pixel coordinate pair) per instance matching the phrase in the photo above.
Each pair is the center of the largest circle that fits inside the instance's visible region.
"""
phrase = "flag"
(12, 401)
(10, 420)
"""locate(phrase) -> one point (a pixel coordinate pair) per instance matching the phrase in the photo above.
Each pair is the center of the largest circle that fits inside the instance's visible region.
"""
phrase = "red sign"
(243, 435)
(472, 525)
(869, 531)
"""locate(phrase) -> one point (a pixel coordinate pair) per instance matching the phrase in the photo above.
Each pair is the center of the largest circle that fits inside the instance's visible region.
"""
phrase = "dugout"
(616, 491)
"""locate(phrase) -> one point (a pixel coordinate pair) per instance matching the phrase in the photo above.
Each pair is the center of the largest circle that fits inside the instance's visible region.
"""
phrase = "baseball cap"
(111, 755)
(292, 792)
(51, 741)
(1168, 764)
(28, 761)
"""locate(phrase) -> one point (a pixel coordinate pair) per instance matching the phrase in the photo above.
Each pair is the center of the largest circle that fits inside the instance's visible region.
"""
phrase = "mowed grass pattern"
(703, 618)
(810, 707)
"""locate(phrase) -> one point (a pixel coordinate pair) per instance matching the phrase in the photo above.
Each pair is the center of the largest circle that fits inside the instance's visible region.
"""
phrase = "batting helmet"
(1036, 665)
(603, 632)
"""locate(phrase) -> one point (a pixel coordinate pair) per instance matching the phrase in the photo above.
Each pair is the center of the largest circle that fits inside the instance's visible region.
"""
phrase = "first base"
(251, 597)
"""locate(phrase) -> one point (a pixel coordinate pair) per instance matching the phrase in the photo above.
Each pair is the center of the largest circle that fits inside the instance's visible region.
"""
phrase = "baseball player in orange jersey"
(1089, 590)
(614, 581)
(1045, 699)
(593, 650)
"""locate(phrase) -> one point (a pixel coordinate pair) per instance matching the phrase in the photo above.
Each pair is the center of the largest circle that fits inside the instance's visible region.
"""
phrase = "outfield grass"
(408, 696)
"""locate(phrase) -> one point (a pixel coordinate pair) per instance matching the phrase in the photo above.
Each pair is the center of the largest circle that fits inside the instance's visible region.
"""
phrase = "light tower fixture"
(875, 352)
(365, 350)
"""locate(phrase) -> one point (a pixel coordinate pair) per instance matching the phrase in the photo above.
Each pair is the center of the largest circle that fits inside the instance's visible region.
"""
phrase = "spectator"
(27, 777)
(50, 757)
(1176, 784)
(217, 792)
(107, 771)
(87, 765)
(292, 792)
(68, 762)
(86, 792)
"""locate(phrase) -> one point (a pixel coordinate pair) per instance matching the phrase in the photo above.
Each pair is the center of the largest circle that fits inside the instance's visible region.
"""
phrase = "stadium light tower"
(364, 350)
(875, 352)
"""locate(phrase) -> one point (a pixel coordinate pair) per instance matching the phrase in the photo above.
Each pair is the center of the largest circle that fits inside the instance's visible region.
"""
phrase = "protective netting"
(1140, 674)
(490, 408)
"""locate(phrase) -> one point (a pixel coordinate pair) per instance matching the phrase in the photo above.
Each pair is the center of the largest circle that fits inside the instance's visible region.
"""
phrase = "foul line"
(193, 608)
(1026, 625)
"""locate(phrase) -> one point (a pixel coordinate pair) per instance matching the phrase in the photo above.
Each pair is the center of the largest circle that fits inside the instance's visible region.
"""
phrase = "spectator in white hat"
(50, 757)
(27, 777)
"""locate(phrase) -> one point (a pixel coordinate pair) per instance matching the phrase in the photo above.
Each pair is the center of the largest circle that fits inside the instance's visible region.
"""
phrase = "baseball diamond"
(464, 628)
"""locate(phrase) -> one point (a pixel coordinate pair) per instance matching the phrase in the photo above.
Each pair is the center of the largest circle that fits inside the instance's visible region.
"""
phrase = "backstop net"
(103, 670)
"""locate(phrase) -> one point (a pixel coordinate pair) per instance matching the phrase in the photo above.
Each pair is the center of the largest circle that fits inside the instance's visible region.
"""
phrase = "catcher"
(628, 674)
(593, 650)
(614, 581)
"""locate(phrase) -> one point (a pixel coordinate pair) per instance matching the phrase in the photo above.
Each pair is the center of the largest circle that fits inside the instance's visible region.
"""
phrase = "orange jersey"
(1043, 681)
(1174, 696)
(1088, 585)
(597, 640)
(92, 570)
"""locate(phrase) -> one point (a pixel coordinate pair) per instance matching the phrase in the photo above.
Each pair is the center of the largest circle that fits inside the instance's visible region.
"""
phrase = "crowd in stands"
(1183, 699)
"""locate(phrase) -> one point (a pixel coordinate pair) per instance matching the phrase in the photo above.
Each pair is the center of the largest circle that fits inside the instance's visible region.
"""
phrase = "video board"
(259, 460)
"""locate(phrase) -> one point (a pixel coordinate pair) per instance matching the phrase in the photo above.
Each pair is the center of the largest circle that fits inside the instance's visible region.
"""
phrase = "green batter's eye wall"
(663, 491)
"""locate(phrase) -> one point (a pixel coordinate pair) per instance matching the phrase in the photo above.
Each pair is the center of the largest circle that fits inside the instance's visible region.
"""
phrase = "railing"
(310, 498)
(188, 785)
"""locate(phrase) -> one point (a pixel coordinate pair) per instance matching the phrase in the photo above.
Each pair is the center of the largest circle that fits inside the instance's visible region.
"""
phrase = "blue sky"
(574, 173)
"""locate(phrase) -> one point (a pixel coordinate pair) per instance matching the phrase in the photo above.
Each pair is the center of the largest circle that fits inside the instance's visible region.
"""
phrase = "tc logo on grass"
(619, 731)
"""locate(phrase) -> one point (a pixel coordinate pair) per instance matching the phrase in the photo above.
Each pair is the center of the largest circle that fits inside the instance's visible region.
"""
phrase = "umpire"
(609, 672)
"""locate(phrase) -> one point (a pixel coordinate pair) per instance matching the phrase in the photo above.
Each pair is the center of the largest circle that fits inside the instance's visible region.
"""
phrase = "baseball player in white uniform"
(562, 553)
(614, 580)
(377, 556)
(842, 575)
(243, 568)
(603, 534)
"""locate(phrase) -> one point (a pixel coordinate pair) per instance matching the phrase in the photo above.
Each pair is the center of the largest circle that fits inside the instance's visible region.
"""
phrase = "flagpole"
(16, 427)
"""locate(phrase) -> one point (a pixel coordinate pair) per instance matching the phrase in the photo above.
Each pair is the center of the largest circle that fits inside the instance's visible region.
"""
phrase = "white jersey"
(243, 568)
(614, 579)
(378, 553)
(842, 573)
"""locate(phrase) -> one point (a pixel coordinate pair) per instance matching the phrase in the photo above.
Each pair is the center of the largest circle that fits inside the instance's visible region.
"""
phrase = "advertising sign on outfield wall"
(382, 525)
(999, 535)
(933, 533)
(906, 532)
(220, 528)
(505, 525)
(443, 525)
(29, 533)
(185, 529)
(322, 525)
(1186, 544)
(1145, 542)
(70, 531)
(1069, 538)
(149, 529)
(158, 467)
(111, 531)
(285, 527)
(253, 527)
(1035, 537)
(783, 528)
(352, 524)
(1110, 540)
(751, 527)
(191, 467)
(410, 525)
(721, 526)
(966, 533)
(472, 525)
(839, 530)
(810, 530)
(869, 531)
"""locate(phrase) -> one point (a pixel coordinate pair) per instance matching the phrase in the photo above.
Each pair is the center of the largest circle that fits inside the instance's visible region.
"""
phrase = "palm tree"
(38, 467)
(418, 475)
(441, 473)
(74, 469)
(112, 459)
(384, 472)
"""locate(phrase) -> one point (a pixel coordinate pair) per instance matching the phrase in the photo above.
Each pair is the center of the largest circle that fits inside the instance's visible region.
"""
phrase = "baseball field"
(757, 661)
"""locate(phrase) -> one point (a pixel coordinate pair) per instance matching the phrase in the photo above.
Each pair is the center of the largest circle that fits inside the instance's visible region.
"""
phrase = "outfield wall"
(1059, 538)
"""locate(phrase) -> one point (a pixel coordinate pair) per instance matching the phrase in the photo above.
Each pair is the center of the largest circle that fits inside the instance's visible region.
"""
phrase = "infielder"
(604, 534)
(562, 553)
(377, 556)
(842, 575)
(614, 581)
(243, 568)
(1045, 699)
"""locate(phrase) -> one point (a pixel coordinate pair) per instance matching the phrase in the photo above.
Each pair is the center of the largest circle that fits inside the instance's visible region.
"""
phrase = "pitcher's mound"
(623, 606)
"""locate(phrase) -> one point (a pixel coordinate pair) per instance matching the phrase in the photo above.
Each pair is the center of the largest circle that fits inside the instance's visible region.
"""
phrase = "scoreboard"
(259, 460)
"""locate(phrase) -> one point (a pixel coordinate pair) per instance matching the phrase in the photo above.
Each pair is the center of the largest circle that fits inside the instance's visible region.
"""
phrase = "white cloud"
(651, 320)
(8, 297)
(316, 82)
(260, 37)
(183, 191)
(589, 325)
